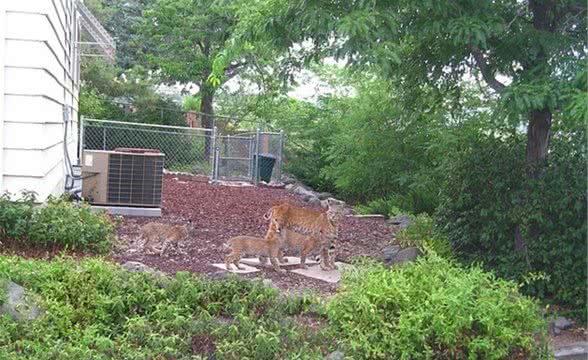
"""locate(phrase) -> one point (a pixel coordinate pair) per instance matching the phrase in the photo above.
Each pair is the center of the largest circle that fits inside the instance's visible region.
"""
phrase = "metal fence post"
(280, 154)
(104, 138)
(81, 141)
(256, 169)
(216, 162)
(213, 154)
(250, 156)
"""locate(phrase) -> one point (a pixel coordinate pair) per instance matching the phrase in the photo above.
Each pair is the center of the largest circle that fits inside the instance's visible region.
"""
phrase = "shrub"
(486, 196)
(57, 223)
(422, 234)
(95, 310)
(386, 207)
(434, 309)
(15, 216)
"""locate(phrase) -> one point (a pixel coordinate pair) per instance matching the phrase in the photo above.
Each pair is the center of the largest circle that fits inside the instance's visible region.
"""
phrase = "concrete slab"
(575, 351)
(315, 272)
(248, 269)
(292, 260)
(129, 211)
(369, 216)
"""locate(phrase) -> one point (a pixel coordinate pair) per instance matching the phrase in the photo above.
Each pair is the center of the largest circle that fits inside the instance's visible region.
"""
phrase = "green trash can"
(265, 166)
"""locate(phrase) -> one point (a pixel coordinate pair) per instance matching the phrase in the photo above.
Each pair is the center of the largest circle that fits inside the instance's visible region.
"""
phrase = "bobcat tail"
(268, 214)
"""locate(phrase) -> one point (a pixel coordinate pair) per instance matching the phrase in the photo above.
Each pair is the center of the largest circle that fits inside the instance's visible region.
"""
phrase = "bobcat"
(292, 240)
(308, 222)
(159, 236)
(256, 246)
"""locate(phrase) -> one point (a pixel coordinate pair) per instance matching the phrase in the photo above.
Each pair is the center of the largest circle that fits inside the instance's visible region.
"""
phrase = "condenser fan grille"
(135, 179)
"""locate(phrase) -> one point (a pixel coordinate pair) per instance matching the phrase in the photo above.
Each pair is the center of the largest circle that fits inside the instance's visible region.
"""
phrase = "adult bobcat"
(159, 236)
(312, 224)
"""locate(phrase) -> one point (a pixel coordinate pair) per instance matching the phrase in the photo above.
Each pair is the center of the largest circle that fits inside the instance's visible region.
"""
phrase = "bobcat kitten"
(249, 245)
(159, 236)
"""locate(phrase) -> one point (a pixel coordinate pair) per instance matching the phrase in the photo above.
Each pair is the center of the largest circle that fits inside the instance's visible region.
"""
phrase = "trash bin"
(265, 166)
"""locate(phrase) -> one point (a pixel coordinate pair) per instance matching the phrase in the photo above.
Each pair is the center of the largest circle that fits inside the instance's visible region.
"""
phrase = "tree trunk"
(537, 141)
(207, 116)
(539, 121)
(537, 146)
(206, 108)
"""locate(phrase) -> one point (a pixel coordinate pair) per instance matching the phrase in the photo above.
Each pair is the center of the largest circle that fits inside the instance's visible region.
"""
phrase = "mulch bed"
(219, 212)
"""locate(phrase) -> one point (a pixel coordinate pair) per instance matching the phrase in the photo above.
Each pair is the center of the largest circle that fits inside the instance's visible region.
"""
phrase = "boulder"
(313, 201)
(562, 323)
(218, 275)
(139, 267)
(324, 195)
(19, 304)
(289, 187)
(389, 253)
(288, 179)
(393, 254)
(335, 355)
(303, 191)
(401, 220)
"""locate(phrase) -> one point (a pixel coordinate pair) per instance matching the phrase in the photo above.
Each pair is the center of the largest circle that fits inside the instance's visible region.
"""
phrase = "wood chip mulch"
(219, 212)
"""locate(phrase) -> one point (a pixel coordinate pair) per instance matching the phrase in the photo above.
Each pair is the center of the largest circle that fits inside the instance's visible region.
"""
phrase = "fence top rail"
(238, 137)
(146, 125)
(269, 133)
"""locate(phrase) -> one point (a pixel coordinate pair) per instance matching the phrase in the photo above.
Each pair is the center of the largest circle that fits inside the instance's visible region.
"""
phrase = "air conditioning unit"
(123, 177)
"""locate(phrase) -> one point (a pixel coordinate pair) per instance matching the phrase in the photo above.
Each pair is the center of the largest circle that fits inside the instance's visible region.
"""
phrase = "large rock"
(562, 323)
(288, 179)
(401, 220)
(324, 195)
(20, 304)
(335, 355)
(393, 254)
(139, 267)
(389, 253)
(313, 201)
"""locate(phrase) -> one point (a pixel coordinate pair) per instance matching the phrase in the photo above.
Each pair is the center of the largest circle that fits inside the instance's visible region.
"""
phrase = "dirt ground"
(219, 212)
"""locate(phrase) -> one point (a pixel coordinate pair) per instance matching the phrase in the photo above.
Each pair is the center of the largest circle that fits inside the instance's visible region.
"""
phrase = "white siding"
(38, 78)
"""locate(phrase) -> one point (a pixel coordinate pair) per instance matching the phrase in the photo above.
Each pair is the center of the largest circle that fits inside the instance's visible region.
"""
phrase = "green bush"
(95, 310)
(422, 234)
(434, 309)
(386, 207)
(15, 216)
(57, 223)
(486, 196)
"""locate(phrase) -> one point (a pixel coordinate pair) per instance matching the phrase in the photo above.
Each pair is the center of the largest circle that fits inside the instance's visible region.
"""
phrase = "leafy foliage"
(481, 217)
(57, 223)
(434, 309)
(94, 309)
(421, 232)
(128, 97)
(386, 207)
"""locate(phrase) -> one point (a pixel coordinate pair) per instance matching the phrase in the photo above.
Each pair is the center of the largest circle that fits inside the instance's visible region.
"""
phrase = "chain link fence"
(253, 156)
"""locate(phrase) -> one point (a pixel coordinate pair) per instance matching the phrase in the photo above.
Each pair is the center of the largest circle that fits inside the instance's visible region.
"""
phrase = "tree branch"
(487, 74)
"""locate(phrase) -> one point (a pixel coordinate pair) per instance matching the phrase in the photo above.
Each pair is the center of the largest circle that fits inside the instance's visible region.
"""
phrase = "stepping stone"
(575, 351)
(369, 216)
(315, 272)
(248, 269)
(292, 260)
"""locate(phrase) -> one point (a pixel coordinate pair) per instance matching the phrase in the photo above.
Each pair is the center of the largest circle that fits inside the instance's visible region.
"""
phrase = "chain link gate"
(254, 156)
(251, 157)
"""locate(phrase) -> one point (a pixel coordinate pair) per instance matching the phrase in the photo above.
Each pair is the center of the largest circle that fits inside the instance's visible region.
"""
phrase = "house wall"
(39, 78)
